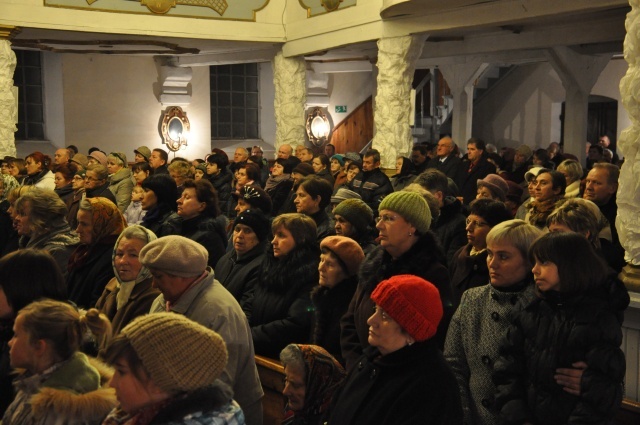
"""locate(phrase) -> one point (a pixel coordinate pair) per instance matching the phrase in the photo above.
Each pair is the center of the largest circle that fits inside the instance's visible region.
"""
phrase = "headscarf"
(108, 223)
(323, 377)
(126, 288)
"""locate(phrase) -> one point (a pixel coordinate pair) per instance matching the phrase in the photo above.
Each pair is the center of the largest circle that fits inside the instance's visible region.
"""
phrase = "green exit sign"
(341, 109)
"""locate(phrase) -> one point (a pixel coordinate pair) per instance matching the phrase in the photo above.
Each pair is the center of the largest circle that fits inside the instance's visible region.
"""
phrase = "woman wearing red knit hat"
(402, 377)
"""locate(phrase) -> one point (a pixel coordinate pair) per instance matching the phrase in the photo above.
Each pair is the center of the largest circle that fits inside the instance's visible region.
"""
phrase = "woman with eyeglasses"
(96, 183)
(469, 266)
(406, 247)
(120, 179)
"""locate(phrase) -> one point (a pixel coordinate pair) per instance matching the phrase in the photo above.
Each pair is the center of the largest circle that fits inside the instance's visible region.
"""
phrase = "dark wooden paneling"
(271, 375)
(355, 131)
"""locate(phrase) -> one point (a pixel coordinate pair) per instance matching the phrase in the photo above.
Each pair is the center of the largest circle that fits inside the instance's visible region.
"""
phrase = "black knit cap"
(256, 220)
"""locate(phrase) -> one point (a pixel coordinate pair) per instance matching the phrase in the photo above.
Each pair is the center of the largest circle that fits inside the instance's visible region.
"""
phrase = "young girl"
(58, 385)
(576, 317)
(166, 372)
(134, 212)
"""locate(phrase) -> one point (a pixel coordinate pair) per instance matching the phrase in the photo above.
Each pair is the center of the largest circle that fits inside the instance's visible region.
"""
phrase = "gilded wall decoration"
(319, 7)
(237, 10)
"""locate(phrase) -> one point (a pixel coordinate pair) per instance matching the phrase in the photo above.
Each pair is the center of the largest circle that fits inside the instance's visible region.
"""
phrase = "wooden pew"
(629, 413)
(271, 375)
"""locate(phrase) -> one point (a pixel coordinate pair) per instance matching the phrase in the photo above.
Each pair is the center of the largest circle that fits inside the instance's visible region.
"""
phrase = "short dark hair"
(422, 148)
(141, 166)
(68, 170)
(315, 187)
(205, 192)
(478, 143)
(252, 170)
(612, 169)
(324, 159)
(374, 153)
(579, 266)
(220, 160)
(557, 179)
(434, 181)
(542, 155)
(597, 147)
(163, 154)
(493, 212)
(165, 189)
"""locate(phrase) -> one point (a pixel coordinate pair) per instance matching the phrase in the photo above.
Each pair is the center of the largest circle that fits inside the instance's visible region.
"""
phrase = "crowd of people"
(479, 288)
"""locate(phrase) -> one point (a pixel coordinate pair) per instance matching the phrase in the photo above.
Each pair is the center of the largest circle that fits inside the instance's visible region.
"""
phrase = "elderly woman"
(313, 195)
(96, 183)
(572, 171)
(38, 166)
(406, 247)
(492, 187)
(41, 224)
(130, 293)
(159, 202)
(63, 178)
(548, 195)
(469, 266)
(199, 218)
(239, 269)
(479, 323)
(312, 375)
(279, 310)
(100, 223)
(340, 259)
(584, 217)
(120, 179)
(402, 377)
(405, 173)
(279, 183)
(179, 171)
(354, 219)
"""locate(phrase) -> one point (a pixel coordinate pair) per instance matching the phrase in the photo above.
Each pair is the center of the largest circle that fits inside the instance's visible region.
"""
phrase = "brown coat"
(139, 303)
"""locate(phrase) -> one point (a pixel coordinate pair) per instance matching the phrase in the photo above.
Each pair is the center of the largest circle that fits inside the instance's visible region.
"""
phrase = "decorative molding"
(175, 83)
(163, 6)
(320, 7)
(105, 46)
(8, 32)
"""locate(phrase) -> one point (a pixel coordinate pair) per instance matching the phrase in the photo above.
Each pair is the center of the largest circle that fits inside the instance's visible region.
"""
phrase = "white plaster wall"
(519, 110)
(351, 89)
(109, 102)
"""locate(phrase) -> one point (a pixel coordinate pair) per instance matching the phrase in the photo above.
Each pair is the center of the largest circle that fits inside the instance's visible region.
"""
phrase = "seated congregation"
(475, 289)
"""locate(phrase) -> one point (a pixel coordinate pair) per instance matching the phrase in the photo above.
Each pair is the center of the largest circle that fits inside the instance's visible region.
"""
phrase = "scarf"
(272, 182)
(323, 376)
(540, 210)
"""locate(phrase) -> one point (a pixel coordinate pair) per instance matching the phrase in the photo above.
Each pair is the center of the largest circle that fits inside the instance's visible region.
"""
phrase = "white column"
(8, 99)
(461, 78)
(289, 79)
(628, 198)
(397, 58)
(578, 74)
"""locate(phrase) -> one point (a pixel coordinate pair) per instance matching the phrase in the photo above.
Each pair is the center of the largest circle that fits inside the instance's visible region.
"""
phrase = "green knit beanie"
(411, 206)
(356, 212)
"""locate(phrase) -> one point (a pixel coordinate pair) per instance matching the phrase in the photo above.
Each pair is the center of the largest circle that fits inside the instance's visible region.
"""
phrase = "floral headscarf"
(106, 218)
(324, 374)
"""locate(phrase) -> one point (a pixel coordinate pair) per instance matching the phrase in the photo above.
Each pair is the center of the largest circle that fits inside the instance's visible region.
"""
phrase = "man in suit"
(446, 160)
(473, 168)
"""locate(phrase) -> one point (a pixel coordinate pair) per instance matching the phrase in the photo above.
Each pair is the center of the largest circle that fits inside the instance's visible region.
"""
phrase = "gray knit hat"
(344, 193)
(175, 255)
(179, 354)
(100, 157)
(356, 212)
(411, 206)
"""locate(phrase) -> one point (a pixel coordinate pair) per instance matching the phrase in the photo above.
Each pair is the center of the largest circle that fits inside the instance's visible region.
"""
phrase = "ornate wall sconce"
(175, 128)
(318, 126)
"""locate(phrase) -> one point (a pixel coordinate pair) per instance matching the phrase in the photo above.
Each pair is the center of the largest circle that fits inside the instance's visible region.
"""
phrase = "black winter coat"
(280, 310)
(423, 259)
(101, 192)
(240, 274)
(324, 225)
(451, 227)
(222, 184)
(555, 332)
(410, 386)
(467, 271)
(467, 180)
(279, 194)
(450, 166)
(207, 231)
(330, 305)
(372, 186)
(86, 281)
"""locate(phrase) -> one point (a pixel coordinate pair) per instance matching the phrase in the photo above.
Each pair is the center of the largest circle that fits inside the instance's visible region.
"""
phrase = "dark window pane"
(36, 131)
(237, 69)
(238, 131)
(213, 82)
(224, 131)
(252, 100)
(252, 132)
(237, 84)
(238, 116)
(31, 59)
(237, 100)
(224, 99)
(224, 82)
(252, 84)
(213, 100)
(224, 115)
(34, 113)
(251, 69)
(18, 79)
(252, 116)
(34, 96)
(33, 76)
(224, 69)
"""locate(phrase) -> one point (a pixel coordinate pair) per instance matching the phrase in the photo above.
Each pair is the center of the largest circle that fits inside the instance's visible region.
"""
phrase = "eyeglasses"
(476, 223)
(387, 218)
(91, 179)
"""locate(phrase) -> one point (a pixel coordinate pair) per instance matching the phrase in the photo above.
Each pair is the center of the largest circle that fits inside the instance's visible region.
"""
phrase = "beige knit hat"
(179, 354)
(175, 255)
